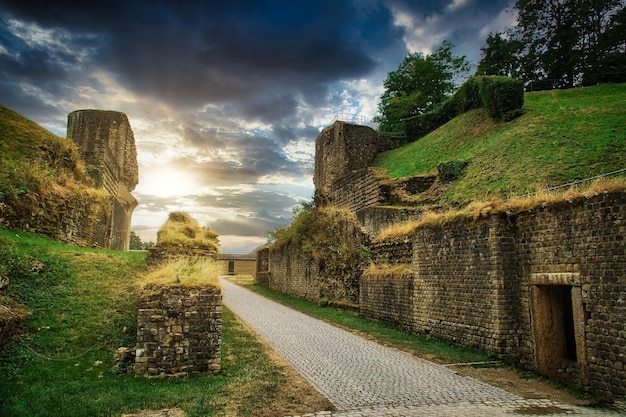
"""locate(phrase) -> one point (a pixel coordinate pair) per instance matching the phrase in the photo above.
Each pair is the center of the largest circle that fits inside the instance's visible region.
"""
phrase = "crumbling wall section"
(341, 149)
(543, 288)
(179, 332)
(106, 143)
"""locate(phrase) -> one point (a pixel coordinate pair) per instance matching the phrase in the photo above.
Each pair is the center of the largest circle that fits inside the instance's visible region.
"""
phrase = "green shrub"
(451, 170)
(468, 96)
(501, 95)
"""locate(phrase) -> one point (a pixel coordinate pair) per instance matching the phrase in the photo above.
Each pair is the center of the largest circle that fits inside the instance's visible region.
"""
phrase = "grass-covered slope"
(564, 135)
(82, 306)
(44, 186)
(31, 157)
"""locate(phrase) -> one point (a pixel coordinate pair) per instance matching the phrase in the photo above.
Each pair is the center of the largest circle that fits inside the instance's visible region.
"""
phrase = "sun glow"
(168, 183)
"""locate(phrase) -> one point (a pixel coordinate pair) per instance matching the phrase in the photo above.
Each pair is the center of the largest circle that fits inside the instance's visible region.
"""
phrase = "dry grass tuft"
(186, 272)
(544, 198)
(477, 210)
(181, 229)
(398, 231)
(385, 270)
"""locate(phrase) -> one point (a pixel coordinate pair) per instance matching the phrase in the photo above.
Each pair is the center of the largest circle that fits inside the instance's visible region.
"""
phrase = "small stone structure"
(106, 143)
(341, 149)
(179, 332)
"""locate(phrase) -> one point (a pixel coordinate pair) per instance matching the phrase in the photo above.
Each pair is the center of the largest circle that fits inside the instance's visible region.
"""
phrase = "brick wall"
(580, 244)
(545, 289)
(463, 283)
(179, 332)
(358, 190)
(294, 272)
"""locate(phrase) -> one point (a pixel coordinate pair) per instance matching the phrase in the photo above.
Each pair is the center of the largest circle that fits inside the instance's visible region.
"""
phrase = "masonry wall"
(179, 332)
(294, 272)
(580, 245)
(465, 283)
(501, 284)
(106, 143)
(358, 190)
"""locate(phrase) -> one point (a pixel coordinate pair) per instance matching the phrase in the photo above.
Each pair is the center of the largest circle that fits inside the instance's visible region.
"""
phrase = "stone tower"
(106, 144)
(343, 148)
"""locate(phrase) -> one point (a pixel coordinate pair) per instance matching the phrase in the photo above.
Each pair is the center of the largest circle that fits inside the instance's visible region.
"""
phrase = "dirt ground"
(513, 381)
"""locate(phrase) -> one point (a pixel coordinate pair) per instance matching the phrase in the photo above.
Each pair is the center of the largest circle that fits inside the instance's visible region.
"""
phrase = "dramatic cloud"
(225, 98)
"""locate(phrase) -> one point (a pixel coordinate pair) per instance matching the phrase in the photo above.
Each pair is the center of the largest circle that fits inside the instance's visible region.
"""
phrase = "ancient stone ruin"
(106, 143)
(543, 288)
(179, 332)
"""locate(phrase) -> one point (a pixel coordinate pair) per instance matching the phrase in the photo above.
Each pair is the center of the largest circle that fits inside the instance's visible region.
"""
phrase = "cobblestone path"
(364, 378)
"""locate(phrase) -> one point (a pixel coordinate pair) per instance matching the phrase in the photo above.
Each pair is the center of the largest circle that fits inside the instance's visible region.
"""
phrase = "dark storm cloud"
(226, 97)
(195, 52)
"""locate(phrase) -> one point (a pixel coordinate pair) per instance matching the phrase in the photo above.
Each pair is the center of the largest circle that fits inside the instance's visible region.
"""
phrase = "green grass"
(82, 308)
(564, 135)
(423, 346)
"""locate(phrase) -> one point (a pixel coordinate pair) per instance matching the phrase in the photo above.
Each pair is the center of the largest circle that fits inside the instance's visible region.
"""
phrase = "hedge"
(500, 96)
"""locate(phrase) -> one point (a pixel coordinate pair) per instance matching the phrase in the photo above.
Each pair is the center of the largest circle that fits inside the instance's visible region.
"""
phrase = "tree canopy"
(420, 83)
(561, 44)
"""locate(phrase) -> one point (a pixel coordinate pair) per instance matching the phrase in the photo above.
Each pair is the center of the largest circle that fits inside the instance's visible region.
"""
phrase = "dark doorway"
(553, 328)
(231, 267)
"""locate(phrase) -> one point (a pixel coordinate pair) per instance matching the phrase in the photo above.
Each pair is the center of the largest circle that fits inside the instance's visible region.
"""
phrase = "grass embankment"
(33, 160)
(82, 305)
(564, 135)
(426, 347)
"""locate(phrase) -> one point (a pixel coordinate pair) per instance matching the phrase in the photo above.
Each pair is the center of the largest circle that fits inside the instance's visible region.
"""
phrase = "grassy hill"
(82, 306)
(44, 185)
(564, 135)
(31, 158)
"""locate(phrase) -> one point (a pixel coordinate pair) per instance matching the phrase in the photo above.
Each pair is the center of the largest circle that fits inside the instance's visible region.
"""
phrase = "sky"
(225, 98)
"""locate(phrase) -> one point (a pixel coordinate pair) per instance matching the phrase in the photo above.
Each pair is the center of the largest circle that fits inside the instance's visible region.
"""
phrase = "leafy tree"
(548, 29)
(603, 38)
(500, 56)
(420, 83)
(135, 242)
(571, 42)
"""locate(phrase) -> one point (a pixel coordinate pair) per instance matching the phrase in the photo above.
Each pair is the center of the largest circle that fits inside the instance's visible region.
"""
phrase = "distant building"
(237, 264)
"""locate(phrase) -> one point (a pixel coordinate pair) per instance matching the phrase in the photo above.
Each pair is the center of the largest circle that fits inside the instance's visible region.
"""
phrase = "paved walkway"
(363, 378)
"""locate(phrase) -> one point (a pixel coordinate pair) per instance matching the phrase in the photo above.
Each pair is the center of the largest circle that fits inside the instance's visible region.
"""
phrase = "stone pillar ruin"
(179, 332)
(106, 144)
(341, 149)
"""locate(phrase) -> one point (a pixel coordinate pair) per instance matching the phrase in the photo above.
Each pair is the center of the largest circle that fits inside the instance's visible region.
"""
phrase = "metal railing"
(354, 119)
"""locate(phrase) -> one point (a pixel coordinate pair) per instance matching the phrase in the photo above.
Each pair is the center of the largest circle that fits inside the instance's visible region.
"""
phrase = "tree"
(548, 30)
(571, 42)
(135, 242)
(500, 56)
(420, 83)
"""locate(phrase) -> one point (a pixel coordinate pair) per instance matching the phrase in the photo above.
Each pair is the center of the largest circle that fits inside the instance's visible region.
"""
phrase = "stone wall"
(106, 144)
(341, 149)
(179, 332)
(578, 246)
(357, 190)
(293, 271)
(545, 289)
